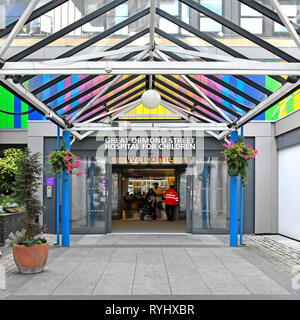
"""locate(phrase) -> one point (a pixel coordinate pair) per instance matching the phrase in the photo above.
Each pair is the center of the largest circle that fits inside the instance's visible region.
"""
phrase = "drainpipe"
(57, 191)
(242, 203)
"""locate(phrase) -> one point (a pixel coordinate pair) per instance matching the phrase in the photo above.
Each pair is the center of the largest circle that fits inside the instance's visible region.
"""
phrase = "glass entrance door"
(184, 192)
(209, 192)
(89, 212)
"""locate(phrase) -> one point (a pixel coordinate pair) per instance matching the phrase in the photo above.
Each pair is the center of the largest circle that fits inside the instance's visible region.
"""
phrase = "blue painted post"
(57, 192)
(65, 223)
(234, 202)
(204, 195)
(242, 203)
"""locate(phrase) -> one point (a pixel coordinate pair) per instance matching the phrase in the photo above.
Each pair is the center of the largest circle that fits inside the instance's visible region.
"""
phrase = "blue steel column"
(65, 223)
(234, 203)
(57, 191)
(242, 203)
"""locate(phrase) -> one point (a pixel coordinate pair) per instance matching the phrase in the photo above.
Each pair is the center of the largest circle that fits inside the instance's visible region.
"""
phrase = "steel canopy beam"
(234, 27)
(286, 22)
(95, 14)
(205, 97)
(17, 27)
(99, 37)
(35, 14)
(188, 47)
(207, 38)
(152, 67)
(266, 12)
(19, 90)
(277, 96)
(115, 47)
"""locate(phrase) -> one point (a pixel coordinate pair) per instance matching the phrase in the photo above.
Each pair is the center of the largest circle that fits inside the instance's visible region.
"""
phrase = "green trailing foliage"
(238, 156)
(8, 170)
(64, 160)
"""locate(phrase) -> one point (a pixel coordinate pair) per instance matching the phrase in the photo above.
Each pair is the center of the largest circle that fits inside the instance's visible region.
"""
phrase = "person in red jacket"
(171, 200)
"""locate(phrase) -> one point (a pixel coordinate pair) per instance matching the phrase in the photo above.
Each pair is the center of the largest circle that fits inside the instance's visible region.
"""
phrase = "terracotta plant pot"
(31, 259)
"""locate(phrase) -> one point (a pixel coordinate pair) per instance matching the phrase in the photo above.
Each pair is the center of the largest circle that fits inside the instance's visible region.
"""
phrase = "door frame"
(119, 168)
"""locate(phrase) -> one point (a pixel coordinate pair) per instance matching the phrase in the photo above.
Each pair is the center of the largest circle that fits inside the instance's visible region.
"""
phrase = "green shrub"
(8, 170)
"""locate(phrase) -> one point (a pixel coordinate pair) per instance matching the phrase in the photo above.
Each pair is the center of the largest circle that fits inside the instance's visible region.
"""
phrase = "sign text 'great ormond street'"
(149, 143)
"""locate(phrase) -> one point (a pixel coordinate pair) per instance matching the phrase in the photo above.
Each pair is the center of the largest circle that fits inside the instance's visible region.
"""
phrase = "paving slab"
(160, 265)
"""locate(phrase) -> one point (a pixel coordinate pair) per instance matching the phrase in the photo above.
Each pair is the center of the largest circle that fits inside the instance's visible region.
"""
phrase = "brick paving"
(275, 249)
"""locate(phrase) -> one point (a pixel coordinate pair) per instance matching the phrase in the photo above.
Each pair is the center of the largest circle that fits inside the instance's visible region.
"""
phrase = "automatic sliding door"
(89, 208)
(210, 196)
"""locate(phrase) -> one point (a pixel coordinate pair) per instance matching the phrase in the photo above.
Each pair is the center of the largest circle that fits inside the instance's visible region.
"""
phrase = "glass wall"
(90, 197)
(209, 193)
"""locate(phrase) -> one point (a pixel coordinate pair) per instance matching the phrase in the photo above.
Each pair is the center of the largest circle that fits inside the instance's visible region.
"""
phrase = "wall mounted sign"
(49, 181)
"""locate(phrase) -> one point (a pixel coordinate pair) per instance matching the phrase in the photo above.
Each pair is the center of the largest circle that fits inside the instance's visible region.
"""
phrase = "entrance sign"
(150, 143)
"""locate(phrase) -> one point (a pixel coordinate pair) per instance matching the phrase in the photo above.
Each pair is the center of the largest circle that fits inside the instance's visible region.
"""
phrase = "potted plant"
(30, 248)
(63, 159)
(238, 156)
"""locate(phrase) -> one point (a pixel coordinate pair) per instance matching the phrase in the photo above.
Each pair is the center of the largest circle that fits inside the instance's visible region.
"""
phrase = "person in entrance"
(159, 192)
(171, 200)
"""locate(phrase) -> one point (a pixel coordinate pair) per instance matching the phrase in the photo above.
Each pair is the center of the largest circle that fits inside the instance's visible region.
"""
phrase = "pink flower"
(242, 150)
(81, 173)
(246, 157)
(224, 145)
(77, 157)
(77, 174)
(256, 152)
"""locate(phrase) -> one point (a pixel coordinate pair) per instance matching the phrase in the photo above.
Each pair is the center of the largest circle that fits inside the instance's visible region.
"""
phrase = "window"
(121, 15)
(207, 24)
(291, 12)
(251, 20)
(176, 9)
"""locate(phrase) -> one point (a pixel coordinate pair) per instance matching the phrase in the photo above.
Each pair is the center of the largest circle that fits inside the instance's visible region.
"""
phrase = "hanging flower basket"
(238, 156)
(64, 160)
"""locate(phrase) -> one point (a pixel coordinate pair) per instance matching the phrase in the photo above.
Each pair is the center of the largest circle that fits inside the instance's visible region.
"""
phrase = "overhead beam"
(237, 29)
(207, 38)
(99, 37)
(284, 18)
(37, 104)
(71, 27)
(35, 14)
(88, 78)
(121, 100)
(186, 96)
(204, 96)
(105, 90)
(152, 67)
(17, 27)
(106, 114)
(242, 78)
(206, 87)
(124, 90)
(193, 114)
(276, 97)
(267, 12)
